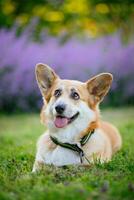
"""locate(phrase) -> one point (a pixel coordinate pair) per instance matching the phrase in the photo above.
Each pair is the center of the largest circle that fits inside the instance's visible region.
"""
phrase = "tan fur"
(113, 135)
(105, 141)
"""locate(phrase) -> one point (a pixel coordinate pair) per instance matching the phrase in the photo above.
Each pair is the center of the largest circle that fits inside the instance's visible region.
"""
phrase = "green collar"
(75, 147)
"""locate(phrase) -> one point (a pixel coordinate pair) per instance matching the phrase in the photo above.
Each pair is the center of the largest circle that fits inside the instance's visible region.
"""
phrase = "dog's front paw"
(38, 165)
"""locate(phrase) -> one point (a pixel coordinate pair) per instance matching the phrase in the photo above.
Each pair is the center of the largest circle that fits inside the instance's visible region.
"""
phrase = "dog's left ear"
(45, 77)
(99, 85)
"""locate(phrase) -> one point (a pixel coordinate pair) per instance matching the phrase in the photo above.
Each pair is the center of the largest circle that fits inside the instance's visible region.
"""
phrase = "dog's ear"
(45, 77)
(99, 85)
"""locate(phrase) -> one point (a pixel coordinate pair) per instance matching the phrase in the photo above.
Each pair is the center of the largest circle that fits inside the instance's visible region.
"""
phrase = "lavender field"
(76, 58)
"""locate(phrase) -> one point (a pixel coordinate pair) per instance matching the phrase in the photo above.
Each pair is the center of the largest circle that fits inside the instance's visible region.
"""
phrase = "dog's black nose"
(60, 108)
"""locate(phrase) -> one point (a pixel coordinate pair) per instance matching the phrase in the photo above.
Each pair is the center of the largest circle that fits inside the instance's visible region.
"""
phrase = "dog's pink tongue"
(60, 122)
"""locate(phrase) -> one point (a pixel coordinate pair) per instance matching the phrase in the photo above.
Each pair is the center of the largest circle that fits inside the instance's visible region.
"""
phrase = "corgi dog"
(75, 134)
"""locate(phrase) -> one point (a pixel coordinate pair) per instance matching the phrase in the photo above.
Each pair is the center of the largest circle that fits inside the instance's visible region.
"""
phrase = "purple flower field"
(76, 59)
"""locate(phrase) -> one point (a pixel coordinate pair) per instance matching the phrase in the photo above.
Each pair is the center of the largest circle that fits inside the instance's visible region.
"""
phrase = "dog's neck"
(73, 134)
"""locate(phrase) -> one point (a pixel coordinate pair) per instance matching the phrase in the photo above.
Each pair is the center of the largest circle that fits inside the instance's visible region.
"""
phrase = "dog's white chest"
(61, 156)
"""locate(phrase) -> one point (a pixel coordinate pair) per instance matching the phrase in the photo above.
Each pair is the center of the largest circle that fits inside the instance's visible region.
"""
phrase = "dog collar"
(75, 147)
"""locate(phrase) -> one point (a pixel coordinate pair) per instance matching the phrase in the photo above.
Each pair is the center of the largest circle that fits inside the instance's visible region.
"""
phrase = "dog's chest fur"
(61, 156)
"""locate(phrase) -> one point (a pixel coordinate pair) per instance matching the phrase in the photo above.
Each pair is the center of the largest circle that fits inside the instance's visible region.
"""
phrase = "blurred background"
(78, 39)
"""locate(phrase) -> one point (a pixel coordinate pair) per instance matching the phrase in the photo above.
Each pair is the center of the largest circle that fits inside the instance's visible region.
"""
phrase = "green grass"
(18, 136)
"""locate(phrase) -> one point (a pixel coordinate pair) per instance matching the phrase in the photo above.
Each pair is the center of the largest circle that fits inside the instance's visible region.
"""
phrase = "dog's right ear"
(45, 77)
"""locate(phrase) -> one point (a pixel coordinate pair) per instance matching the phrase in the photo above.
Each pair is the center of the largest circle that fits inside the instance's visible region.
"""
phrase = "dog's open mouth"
(62, 121)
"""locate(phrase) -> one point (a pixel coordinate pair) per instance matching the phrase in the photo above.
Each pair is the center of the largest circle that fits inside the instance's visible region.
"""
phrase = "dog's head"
(70, 103)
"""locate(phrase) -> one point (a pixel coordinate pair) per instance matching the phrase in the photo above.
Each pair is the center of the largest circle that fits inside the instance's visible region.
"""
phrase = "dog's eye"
(57, 93)
(75, 95)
